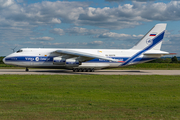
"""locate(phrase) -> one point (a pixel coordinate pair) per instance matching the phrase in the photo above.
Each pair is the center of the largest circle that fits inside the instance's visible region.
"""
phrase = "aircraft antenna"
(13, 49)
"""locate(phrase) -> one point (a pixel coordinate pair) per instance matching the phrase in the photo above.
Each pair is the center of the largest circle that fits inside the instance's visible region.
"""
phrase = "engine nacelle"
(65, 62)
(72, 62)
(59, 61)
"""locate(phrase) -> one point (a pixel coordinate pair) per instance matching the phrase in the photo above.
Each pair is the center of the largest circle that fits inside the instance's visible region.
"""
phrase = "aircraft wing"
(84, 56)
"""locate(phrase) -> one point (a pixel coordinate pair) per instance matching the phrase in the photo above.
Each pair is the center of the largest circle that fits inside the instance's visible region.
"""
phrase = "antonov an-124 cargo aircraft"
(88, 60)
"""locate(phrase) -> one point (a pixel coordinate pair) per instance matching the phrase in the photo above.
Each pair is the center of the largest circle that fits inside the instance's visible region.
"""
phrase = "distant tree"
(1, 60)
(174, 59)
(153, 61)
(167, 60)
(159, 60)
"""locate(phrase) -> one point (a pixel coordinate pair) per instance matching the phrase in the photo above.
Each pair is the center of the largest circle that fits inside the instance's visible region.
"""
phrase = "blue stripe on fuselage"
(28, 59)
(50, 59)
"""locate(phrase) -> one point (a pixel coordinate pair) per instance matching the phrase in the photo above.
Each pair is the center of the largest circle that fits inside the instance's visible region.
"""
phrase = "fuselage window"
(19, 51)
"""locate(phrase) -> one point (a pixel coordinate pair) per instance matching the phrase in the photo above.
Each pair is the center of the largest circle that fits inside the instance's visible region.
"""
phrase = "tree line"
(174, 59)
(159, 60)
(1, 60)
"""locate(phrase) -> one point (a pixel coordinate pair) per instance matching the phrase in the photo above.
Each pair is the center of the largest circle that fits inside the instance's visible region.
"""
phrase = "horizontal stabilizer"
(159, 53)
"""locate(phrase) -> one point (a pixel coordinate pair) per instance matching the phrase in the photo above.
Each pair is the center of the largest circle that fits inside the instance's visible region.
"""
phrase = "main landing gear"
(83, 69)
(27, 69)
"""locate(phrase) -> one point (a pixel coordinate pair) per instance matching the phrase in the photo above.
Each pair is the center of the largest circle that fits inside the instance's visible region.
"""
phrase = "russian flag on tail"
(152, 35)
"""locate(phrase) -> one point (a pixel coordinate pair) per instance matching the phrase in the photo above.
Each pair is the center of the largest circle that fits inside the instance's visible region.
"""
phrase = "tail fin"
(153, 39)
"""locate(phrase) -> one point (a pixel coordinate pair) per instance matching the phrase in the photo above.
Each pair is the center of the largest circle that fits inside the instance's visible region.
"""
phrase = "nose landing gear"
(27, 69)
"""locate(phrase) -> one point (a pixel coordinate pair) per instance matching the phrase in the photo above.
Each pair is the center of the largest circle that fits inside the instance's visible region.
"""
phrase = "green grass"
(4, 65)
(89, 97)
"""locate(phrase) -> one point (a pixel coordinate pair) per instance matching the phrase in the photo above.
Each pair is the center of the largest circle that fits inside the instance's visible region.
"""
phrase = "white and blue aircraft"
(87, 60)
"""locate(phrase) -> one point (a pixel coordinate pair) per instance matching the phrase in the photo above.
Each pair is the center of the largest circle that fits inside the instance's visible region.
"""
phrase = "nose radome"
(4, 60)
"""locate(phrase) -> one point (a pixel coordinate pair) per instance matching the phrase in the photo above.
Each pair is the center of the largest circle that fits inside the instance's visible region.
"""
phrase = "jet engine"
(59, 61)
(66, 62)
(72, 62)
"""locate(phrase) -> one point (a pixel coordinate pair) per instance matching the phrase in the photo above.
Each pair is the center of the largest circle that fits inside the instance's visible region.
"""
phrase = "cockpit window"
(19, 51)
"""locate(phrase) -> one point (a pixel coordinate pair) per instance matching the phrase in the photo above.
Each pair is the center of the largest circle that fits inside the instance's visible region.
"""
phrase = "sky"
(87, 24)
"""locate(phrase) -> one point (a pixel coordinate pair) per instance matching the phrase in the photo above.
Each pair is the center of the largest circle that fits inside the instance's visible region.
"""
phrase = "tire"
(80, 70)
(88, 70)
(76, 70)
(27, 69)
(84, 70)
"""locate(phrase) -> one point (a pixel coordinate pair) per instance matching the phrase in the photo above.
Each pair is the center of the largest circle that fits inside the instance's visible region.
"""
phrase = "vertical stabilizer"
(153, 38)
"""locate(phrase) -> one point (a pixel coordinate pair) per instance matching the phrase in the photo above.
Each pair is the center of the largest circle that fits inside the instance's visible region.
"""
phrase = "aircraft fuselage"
(44, 58)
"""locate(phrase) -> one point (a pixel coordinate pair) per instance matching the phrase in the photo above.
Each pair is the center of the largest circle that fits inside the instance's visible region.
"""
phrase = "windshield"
(19, 51)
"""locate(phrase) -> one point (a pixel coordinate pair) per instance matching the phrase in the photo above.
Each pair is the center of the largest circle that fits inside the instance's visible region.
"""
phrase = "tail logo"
(37, 58)
(149, 41)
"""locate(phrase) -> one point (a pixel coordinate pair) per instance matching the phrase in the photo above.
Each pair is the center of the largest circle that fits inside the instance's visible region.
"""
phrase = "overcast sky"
(98, 24)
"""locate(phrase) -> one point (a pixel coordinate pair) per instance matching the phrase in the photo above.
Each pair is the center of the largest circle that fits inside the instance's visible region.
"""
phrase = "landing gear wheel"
(75, 70)
(80, 70)
(27, 69)
(92, 70)
(84, 70)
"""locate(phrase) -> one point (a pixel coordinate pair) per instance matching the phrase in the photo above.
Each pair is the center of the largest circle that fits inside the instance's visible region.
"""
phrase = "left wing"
(84, 56)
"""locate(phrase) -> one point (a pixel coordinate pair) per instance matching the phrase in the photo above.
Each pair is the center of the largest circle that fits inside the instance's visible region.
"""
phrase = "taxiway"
(97, 72)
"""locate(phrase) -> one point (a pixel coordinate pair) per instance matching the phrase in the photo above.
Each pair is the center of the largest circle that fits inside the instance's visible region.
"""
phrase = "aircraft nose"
(4, 60)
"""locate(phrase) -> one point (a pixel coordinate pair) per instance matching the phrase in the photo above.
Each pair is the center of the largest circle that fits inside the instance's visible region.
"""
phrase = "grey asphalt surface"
(97, 72)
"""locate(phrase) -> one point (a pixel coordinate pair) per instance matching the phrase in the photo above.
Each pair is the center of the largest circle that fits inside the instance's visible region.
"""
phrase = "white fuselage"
(44, 58)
